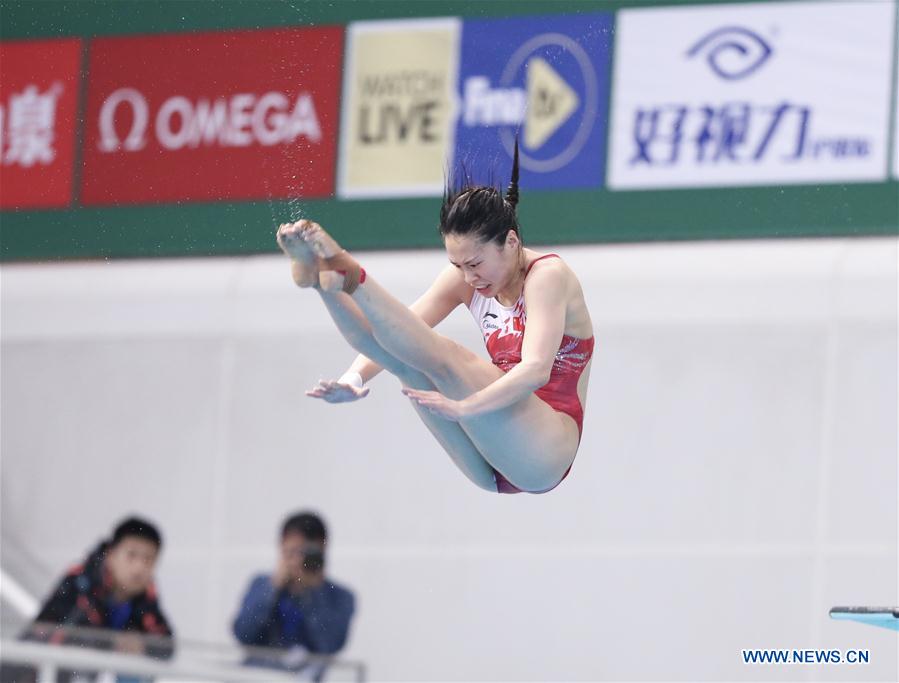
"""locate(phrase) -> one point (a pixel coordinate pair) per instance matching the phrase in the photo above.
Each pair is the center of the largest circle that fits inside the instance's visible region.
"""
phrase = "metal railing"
(79, 649)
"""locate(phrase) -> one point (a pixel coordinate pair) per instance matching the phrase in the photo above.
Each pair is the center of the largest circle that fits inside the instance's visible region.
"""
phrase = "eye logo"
(732, 52)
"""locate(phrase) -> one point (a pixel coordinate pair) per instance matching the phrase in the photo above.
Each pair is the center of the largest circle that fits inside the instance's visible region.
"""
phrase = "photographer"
(296, 607)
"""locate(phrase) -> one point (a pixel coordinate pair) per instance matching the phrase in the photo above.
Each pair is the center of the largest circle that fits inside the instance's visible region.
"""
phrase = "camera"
(313, 558)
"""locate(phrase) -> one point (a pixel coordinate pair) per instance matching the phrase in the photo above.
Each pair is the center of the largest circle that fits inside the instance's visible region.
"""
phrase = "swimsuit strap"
(539, 258)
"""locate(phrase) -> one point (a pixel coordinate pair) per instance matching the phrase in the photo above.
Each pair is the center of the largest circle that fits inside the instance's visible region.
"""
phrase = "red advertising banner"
(39, 83)
(212, 116)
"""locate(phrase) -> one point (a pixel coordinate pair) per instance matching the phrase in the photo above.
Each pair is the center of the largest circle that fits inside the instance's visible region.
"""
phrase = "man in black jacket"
(113, 589)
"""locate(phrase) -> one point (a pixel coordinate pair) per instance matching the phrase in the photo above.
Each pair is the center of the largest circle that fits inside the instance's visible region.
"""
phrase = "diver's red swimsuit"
(503, 330)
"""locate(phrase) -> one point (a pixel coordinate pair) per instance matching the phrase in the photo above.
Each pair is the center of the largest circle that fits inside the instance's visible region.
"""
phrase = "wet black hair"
(308, 524)
(481, 210)
(135, 527)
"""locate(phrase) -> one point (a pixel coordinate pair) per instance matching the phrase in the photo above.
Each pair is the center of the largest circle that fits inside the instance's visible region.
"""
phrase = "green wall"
(556, 217)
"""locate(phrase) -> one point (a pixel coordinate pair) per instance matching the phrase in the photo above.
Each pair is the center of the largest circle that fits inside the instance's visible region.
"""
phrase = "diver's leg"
(355, 329)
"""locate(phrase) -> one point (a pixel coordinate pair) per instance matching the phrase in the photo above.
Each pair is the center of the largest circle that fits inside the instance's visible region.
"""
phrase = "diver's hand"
(337, 392)
(438, 404)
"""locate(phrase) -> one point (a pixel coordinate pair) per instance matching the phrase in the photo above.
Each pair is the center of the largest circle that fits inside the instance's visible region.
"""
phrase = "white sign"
(896, 122)
(398, 107)
(751, 94)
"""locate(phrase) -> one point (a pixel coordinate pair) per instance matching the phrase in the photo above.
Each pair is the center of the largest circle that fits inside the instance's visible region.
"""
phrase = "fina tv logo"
(542, 107)
(733, 52)
(545, 80)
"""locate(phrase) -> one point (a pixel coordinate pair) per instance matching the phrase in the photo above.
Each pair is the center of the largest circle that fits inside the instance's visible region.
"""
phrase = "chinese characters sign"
(751, 94)
(38, 107)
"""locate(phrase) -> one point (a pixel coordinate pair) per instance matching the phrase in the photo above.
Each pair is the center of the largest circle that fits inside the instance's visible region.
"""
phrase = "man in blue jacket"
(296, 607)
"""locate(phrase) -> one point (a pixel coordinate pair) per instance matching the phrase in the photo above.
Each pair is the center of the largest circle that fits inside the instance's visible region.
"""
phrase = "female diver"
(511, 426)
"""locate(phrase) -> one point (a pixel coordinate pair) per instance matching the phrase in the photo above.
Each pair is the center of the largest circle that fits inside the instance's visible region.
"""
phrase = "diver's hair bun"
(512, 192)
(480, 211)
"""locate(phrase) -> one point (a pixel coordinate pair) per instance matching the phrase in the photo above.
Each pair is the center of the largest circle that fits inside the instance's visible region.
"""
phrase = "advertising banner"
(212, 116)
(39, 86)
(545, 80)
(896, 118)
(398, 107)
(751, 94)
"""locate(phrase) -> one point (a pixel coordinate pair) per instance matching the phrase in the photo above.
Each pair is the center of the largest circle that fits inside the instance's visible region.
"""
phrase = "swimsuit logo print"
(488, 324)
(514, 324)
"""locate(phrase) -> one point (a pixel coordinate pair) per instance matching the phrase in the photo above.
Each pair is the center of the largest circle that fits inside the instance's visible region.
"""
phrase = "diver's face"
(488, 267)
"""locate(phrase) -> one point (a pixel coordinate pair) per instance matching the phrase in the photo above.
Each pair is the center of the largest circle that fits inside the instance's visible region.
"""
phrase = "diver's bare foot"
(343, 270)
(303, 261)
(318, 240)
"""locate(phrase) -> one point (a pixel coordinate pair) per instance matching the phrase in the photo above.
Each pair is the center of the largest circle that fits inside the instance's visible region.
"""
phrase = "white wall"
(737, 475)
